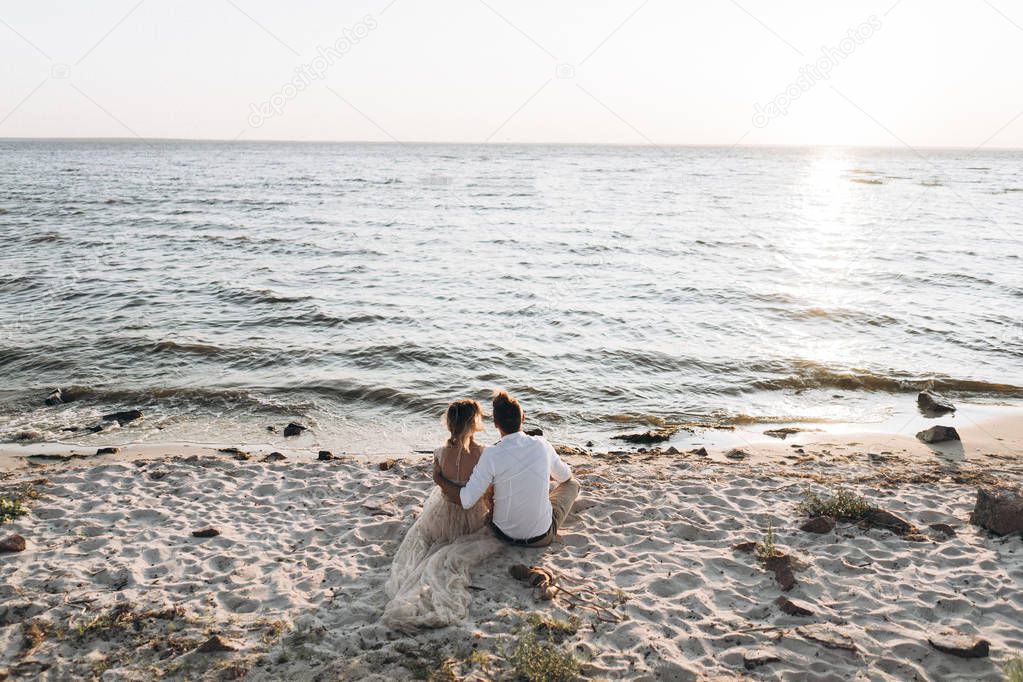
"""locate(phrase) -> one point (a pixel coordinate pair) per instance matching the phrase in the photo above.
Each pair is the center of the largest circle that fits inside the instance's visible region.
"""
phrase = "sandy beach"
(511, 341)
(114, 585)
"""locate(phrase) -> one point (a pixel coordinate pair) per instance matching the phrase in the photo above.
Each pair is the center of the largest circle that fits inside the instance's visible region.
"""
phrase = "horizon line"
(513, 144)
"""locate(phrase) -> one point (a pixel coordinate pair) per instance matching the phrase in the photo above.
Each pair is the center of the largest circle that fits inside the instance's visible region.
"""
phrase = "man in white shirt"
(520, 467)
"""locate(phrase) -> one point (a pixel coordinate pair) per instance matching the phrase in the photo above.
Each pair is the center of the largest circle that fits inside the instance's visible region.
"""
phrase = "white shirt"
(520, 468)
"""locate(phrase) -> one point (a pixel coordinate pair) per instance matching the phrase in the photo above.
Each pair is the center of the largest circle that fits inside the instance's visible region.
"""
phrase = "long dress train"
(428, 585)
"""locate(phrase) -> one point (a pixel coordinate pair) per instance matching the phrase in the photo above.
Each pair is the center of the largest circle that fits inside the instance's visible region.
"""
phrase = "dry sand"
(113, 585)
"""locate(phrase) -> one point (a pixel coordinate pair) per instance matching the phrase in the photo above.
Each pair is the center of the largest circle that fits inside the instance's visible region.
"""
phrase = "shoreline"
(986, 431)
(292, 584)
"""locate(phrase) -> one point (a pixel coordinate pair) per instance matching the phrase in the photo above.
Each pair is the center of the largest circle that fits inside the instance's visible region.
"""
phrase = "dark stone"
(55, 398)
(235, 453)
(939, 434)
(293, 429)
(745, 547)
(889, 521)
(534, 432)
(274, 457)
(122, 418)
(216, 644)
(819, 524)
(94, 429)
(325, 456)
(932, 404)
(671, 451)
(999, 510)
(944, 529)
(12, 543)
(108, 451)
(702, 452)
(783, 432)
(387, 464)
(272, 429)
(589, 443)
(210, 532)
(963, 646)
(647, 437)
(792, 607)
(782, 567)
(737, 454)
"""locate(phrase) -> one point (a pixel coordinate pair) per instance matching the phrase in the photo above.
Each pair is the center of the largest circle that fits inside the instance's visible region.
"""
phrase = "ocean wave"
(17, 282)
(185, 398)
(259, 296)
(742, 419)
(26, 360)
(383, 355)
(873, 319)
(376, 395)
(810, 376)
(942, 277)
(184, 347)
(46, 237)
(317, 319)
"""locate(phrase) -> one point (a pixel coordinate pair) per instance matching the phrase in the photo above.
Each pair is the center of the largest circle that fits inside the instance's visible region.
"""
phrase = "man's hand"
(451, 491)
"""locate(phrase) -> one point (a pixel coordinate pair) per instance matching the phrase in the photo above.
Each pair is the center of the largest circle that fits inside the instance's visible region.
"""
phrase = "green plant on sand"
(541, 623)
(1014, 669)
(541, 661)
(767, 549)
(842, 504)
(11, 508)
(13, 499)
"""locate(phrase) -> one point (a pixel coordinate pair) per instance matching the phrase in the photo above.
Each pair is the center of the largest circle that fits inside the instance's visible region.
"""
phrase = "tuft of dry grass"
(766, 548)
(555, 628)
(842, 504)
(1014, 669)
(272, 630)
(35, 635)
(11, 508)
(120, 617)
(13, 498)
(539, 661)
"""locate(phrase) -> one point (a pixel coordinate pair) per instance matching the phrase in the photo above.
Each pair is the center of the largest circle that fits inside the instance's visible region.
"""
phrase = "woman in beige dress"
(428, 584)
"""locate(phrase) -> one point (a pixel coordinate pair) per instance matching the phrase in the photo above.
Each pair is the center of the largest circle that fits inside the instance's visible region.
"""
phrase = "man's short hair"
(507, 412)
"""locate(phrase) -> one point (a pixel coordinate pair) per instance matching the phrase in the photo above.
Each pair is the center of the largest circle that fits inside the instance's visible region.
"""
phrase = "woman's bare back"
(458, 467)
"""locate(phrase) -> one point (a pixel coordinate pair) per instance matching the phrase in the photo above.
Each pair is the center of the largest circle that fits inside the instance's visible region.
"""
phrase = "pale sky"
(922, 72)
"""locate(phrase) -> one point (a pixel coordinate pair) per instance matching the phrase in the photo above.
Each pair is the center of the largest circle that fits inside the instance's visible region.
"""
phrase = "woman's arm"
(451, 490)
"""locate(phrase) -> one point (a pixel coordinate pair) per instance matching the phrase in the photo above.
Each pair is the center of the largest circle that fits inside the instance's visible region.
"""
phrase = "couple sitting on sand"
(484, 497)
